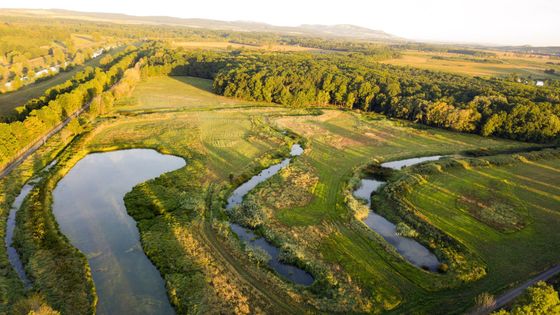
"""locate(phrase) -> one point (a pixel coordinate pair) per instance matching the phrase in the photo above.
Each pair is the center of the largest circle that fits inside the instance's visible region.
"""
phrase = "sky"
(504, 22)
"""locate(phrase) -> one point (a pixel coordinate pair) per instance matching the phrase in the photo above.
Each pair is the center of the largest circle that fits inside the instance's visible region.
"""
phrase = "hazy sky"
(535, 22)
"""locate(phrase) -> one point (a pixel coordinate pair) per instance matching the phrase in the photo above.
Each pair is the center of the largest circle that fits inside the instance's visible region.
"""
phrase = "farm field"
(228, 45)
(11, 100)
(177, 93)
(502, 65)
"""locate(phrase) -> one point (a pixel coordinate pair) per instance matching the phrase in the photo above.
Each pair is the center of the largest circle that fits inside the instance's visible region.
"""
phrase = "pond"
(89, 208)
(411, 250)
(400, 164)
(289, 272)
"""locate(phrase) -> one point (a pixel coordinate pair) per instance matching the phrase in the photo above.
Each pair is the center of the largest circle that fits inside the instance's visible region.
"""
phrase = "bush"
(257, 254)
(443, 268)
(248, 213)
(33, 305)
(484, 302)
(404, 230)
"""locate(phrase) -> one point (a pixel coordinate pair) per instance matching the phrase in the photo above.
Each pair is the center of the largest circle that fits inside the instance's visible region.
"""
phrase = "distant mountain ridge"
(341, 30)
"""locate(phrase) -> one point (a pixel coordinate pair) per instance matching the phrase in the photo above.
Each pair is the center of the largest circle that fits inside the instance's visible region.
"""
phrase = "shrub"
(404, 230)
(484, 302)
(257, 254)
(33, 305)
(443, 268)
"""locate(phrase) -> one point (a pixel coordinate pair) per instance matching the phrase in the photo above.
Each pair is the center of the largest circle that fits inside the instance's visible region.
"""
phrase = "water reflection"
(410, 249)
(89, 208)
(290, 272)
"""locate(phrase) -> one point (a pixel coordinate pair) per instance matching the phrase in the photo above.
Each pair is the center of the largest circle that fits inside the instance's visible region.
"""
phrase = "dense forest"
(484, 106)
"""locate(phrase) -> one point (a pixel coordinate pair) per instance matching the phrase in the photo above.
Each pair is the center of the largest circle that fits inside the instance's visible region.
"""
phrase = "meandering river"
(89, 208)
(289, 272)
(410, 249)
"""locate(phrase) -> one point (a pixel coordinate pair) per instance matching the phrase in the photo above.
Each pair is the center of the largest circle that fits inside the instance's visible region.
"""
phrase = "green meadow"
(184, 228)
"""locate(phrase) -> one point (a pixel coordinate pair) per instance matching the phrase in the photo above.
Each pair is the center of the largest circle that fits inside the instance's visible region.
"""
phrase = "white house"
(97, 53)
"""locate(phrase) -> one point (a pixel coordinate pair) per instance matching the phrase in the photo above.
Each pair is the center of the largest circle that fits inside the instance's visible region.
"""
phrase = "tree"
(540, 299)
(493, 124)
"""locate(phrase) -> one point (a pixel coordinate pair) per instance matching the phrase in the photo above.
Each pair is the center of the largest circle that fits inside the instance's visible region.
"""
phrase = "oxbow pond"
(89, 208)
(288, 271)
(411, 250)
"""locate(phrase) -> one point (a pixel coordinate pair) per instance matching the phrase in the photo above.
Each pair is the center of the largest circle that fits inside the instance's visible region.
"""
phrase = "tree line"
(18, 135)
(21, 112)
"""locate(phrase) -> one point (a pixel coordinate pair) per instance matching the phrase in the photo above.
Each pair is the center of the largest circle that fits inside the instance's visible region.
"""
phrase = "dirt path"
(507, 297)
(277, 299)
(280, 302)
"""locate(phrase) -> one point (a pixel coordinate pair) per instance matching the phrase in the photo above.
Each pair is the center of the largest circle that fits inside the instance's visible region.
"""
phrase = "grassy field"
(450, 200)
(177, 93)
(224, 141)
(502, 65)
(338, 142)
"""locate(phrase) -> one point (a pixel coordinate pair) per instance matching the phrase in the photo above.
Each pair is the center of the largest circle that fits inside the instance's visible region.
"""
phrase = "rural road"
(507, 297)
(41, 141)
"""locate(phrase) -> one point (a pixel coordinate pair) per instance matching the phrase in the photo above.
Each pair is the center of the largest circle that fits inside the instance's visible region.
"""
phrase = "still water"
(289, 272)
(13, 256)
(89, 208)
(410, 249)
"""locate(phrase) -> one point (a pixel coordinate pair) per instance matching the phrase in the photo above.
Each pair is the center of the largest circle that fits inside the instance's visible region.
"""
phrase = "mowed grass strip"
(510, 257)
(177, 93)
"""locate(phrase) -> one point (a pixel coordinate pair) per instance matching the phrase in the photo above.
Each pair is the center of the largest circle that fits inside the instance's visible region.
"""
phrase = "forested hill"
(336, 31)
(490, 107)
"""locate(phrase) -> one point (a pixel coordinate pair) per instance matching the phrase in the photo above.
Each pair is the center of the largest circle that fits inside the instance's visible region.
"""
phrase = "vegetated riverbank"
(11, 287)
(460, 264)
(13, 256)
(245, 214)
(400, 235)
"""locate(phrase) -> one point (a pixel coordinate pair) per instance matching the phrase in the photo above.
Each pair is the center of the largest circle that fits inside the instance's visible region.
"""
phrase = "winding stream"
(410, 249)
(13, 256)
(89, 208)
(290, 272)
